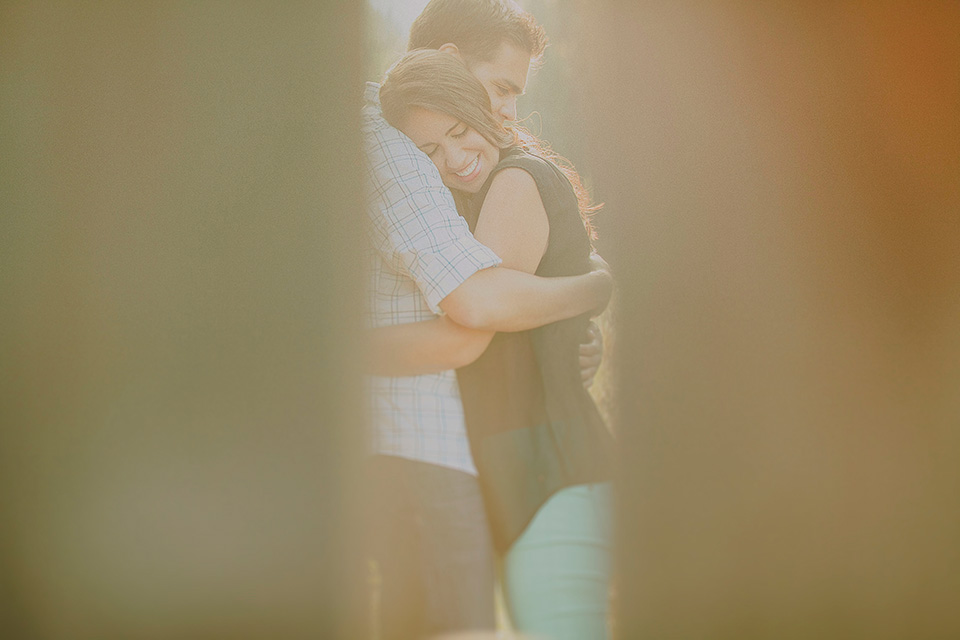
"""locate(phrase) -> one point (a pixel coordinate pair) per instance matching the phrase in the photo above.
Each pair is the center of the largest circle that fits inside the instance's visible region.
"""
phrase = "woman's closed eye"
(429, 149)
(460, 133)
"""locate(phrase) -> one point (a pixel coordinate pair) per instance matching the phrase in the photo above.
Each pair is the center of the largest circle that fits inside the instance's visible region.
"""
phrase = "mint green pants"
(556, 577)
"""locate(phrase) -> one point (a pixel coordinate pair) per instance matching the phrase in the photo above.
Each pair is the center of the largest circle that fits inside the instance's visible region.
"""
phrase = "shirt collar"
(371, 93)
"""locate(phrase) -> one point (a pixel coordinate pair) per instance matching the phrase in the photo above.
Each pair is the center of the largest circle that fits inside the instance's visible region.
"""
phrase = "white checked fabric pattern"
(421, 250)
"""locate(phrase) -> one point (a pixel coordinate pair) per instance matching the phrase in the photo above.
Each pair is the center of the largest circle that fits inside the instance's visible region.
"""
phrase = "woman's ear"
(450, 48)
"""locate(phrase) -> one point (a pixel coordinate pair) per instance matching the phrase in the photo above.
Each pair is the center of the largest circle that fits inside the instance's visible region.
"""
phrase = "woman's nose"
(456, 158)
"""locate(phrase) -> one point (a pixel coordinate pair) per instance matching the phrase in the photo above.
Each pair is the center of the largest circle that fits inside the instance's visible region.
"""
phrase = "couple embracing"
(490, 457)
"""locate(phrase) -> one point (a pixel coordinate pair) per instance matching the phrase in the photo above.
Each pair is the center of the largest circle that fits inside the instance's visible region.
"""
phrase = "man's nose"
(508, 109)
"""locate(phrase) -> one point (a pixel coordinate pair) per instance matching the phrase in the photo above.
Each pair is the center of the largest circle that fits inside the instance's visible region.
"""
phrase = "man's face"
(504, 77)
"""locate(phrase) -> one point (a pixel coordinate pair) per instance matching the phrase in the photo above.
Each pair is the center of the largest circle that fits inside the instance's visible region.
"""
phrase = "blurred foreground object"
(180, 417)
(783, 191)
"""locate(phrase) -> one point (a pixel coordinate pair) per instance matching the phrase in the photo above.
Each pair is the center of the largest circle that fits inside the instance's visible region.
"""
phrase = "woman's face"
(464, 157)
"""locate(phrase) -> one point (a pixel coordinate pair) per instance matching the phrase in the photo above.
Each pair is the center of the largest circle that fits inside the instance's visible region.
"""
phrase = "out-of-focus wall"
(180, 289)
(783, 183)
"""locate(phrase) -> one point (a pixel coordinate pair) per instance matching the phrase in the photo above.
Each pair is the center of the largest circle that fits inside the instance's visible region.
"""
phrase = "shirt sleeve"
(414, 224)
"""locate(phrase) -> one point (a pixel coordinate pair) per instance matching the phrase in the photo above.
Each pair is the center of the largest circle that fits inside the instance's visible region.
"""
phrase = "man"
(428, 529)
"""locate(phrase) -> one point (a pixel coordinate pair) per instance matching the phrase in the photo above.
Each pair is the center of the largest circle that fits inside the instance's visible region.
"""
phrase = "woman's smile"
(464, 158)
(471, 172)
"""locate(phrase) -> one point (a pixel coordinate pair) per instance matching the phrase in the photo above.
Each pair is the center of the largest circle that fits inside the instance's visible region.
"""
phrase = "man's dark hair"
(478, 28)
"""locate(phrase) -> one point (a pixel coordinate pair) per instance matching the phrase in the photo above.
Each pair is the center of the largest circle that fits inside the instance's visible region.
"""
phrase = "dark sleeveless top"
(533, 428)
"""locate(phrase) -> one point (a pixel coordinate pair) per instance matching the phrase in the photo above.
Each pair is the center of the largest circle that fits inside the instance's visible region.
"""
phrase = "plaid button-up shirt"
(421, 250)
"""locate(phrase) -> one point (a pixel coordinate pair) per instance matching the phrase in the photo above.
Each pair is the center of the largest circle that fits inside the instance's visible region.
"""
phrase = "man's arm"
(419, 348)
(413, 225)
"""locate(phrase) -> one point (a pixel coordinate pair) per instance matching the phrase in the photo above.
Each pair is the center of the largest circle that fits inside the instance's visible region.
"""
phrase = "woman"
(537, 439)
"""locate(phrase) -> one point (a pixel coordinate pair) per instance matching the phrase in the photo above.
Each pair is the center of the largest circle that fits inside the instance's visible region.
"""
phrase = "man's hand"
(600, 267)
(597, 263)
(591, 353)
